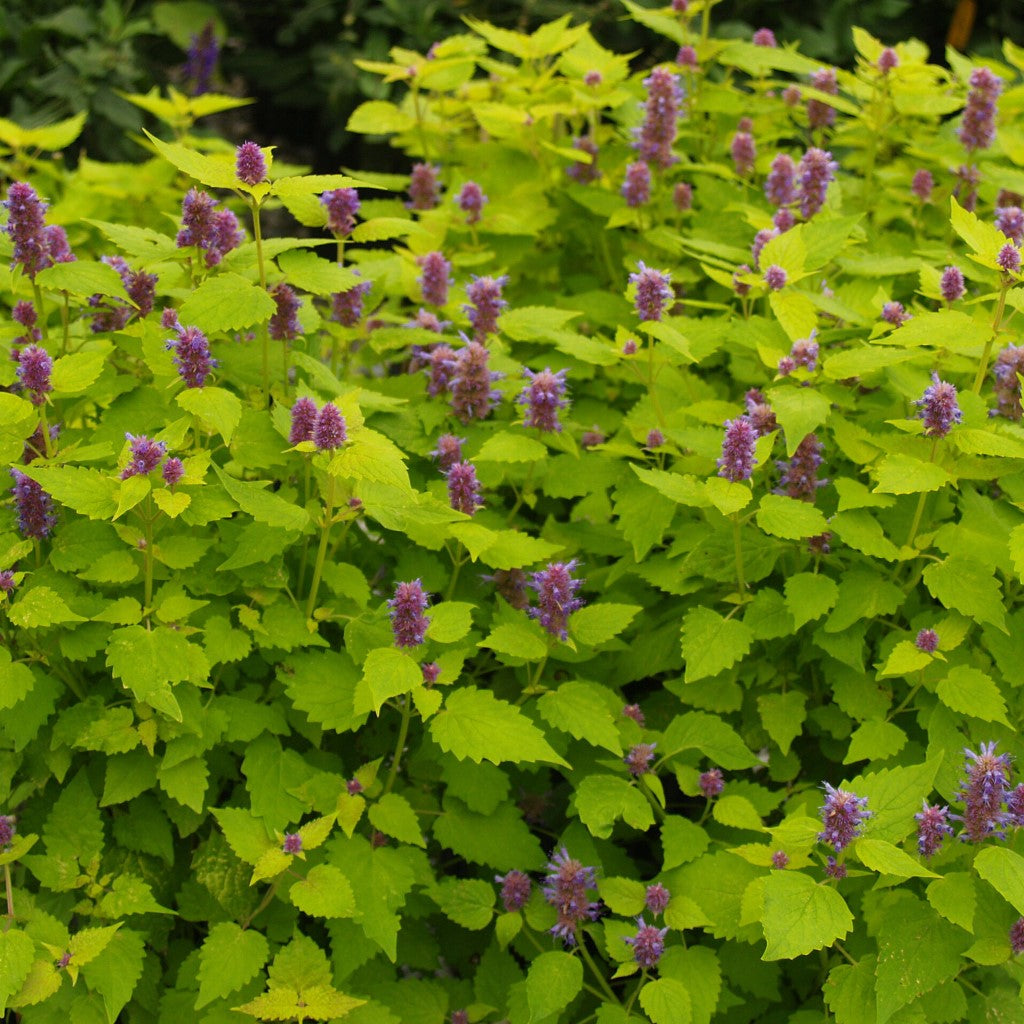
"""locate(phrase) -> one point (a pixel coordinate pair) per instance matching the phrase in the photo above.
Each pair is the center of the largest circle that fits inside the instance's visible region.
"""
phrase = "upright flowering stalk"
(842, 816)
(26, 226)
(472, 394)
(191, 355)
(471, 200)
(328, 433)
(932, 828)
(984, 790)
(435, 278)
(408, 619)
(556, 589)
(424, 188)
(655, 137)
(543, 396)
(922, 185)
(1009, 363)
(214, 232)
(515, 890)
(250, 164)
(284, 321)
(815, 170)
(820, 114)
(145, 455)
(760, 413)
(347, 306)
(639, 758)
(1010, 220)
(342, 205)
(201, 59)
(978, 125)
(486, 303)
(927, 641)
(581, 171)
(711, 783)
(329, 430)
(744, 152)
(939, 408)
(780, 184)
(636, 187)
(440, 366)
(34, 506)
(653, 291)
(567, 888)
(34, 369)
(656, 898)
(464, 488)
(303, 419)
(951, 284)
(448, 451)
(799, 476)
(894, 313)
(802, 353)
(648, 944)
(737, 461)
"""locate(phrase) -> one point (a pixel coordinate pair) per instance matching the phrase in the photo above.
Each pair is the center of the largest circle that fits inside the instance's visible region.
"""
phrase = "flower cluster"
(978, 125)
(582, 171)
(284, 321)
(799, 476)
(424, 187)
(325, 427)
(34, 507)
(984, 791)
(515, 890)
(543, 396)
(939, 408)
(556, 589)
(566, 888)
(470, 383)
(471, 200)
(711, 783)
(191, 355)
(927, 641)
(408, 621)
(347, 306)
(819, 113)
(780, 183)
(843, 815)
(743, 150)
(201, 59)
(435, 278)
(951, 284)
(463, 488)
(36, 244)
(814, 172)
(648, 943)
(636, 186)
(737, 460)
(342, 205)
(485, 304)
(932, 828)
(34, 369)
(802, 353)
(639, 758)
(654, 138)
(214, 232)
(250, 164)
(653, 291)
(1009, 363)
(145, 455)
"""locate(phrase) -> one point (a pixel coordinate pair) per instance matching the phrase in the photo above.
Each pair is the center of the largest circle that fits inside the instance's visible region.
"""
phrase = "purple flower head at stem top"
(424, 188)
(799, 477)
(448, 451)
(214, 231)
(1017, 936)
(511, 585)
(655, 439)
(775, 277)
(556, 596)
(342, 205)
(654, 138)
(633, 711)
(819, 114)
(582, 171)
(408, 621)
(292, 843)
(648, 944)
(966, 190)
(543, 396)
(566, 888)
(7, 830)
(744, 153)
(687, 58)
(983, 792)
(759, 412)
(711, 783)
(978, 126)
(939, 408)
(35, 507)
(201, 59)
(894, 313)
(472, 394)
(653, 291)
(932, 828)
(464, 488)
(922, 185)
(636, 186)
(250, 164)
(1010, 220)
(486, 303)
(471, 200)
(780, 184)
(761, 239)
(1015, 805)
(737, 461)
(887, 60)
(764, 37)
(927, 641)
(284, 323)
(34, 368)
(515, 890)
(951, 284)
(842, 814)
(1009, 363)
(1008, 258)
(682, 196)
(435, 279)
(146, 455)
(439, 365)
(6, 587)
(173, 471)
(430, 670)
(329, 429)
(304, 413)
(26, 228)
(833, 869)
(191, 355)
(815, 170)
(639, 758)
(656, 898)
(780, 859)
(347, 306)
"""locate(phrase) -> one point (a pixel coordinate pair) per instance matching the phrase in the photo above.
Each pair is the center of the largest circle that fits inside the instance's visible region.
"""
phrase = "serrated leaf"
(246, 834)
(601, 800)
(580, 709)
(970, 691)
(75, 373)
(801, 916)
(450, 621)
(230, 958)
(875, 741)
(902, 474)
(314, 1002)
(794, 310)
(324, 892)
(378, 117)
(41, 607)
(719, 742)
(809, 596)
(737, 812)
(782, 715)
(554, 981)
(305, 270)
(712, 643)
(82, 278)
(955, 898)
(227, 302)
(800, 411)
(727, 496)
(788, 518)
(17, 951)
(467, 901)
(474, 724)
(1004, 871)
(264, 506)
(905, 659)
(509, 447)
(521, 640)
(86, 491)
(215, 408)
(894, 796)
(964, 585)
(387, 673)
(16, 680)
(666, 1001)
(393, 815)
(596, 624)
(878, 855)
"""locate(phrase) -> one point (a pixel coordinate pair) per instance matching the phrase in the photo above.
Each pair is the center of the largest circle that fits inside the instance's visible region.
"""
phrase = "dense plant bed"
(576, 581)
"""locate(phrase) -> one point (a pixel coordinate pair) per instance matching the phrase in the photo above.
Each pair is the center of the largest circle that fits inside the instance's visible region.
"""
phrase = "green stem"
(458, 561)
(41, 316)
(10, 897)
(601, 980)
(47, 440)
(659, 811)
(65, 319)
(914, 526)
(321, 554)
(147, 556)
(258, 238)
(636, 991)
(906, 700)
(264, 903)
(741, 580)
(403, 735)
(996, 324)
(705, 23)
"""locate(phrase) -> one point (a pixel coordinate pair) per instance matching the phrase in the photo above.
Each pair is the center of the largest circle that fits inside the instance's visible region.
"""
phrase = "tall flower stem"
(65, 320)
(741, 580)
(38, 295)
(9, 889)
(258, 238)
(147, 555)
(600, 978)
(403, 735)
(997, 321)
(321, 554)
(458, 561)
(921, 501)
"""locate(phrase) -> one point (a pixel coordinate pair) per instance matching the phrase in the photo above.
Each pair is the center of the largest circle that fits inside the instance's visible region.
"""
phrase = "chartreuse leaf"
(324, 892)
(795, 311)
(894, 796)
(875, 740)
(905, 659)
(16, 680)
(712, 643)
(666, 1001)
(378, 117)
(782, 715)
(697, 967)
(215, 408)
(969, 691)
(114, 974)
(477, 725)
(230, 958)
(75, 373)
(984, 238)
(499, 840)
(50, 137)
(800, 915)
(598, 623)
(305, 270)
(83, 278)
(788, 518)
(955, 898)
(215, 171)
(40, 607)
(809, 596)
(387, 673)
(264, 506)
(799, 412)
(716, 739)
(86, 491)
(966, 586)
(227, 302)
(17, 951)
(903, 474)
(315, 1002)
(888, 859)
(917, 950)
(581, 710)
(601, 800)
(467, 901)
(510, 447)
(554, 981)
(450, 621)
(1004, 871)
(393, 815)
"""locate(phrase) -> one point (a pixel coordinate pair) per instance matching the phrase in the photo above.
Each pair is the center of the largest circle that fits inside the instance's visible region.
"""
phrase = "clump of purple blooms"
(932, 828)
(927, 641)
(654, 138)
(759, 412)
(951, 284)
(737, 461)
(636, 186)
(939, 408)
(543, 396)
(978, 125)
(292, 843)
(648, 943)
(984, 790)
(201, 59)
(814, 172)
(250, 164)
(448, 451)
(515, 890)
(764, 37)
(656, 898)
(653, 291)
(711, 783)
(894, 313)
(303, 419)
(36, 245)
(743, 150)
(802, 353)
(34, 506)
(581, 171)
(1016, 936)
(819, 113)
(780, 183)
(191, 355)
(214, 232)
(843, 815)
(1008, 259)
(471, 200)
(566, 888)
(556, 588)
(922, 185)
(347, 306)
(464, 488)
(173, 470)
(424, 187)
(1009, 363)
(329, 431)
(470, 383)
(435, 278)
(799, 476)
(284, 321)
(145, 455)
(34, 369)
(775, 277)
(1010, 220)
(639, 758)
(780, 859)
(342, 205)
(486, 303)
(7, 830)
(408, 621)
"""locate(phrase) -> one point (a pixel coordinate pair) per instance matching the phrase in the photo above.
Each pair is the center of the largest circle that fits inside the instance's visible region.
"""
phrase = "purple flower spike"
(250, 164)
(744, 153)
(448, 451)
(983, 792)
(682, 196)
(486, 303)
(799, 477)
(567, 886)
(581, 172)
(7, 830)
(1017, 936)
(329, 430)
(430, 671)
(833, 869)
(435, 279)
(687, 58)
(633, 711)
(932, 829)
(35, 507)
(463, 488)
(894, 313)
(424, 188)
(648, 944)
(819, 114)
(764, 37)
(737, 461)
(408, 622)
(759, 412)
(655, 439)
(473, 396)
(922, 185)
(191, 355)
(1008, 364)
(780, 859)
(342, 205)
(34, 368)
(304, 413)
(284, 323)
(887, 60)
(951, 285)
(842, 814)
(201, 59)
(978, 126)
(556, 596)
(347, 306)
(815, 170)
(173, 471)
(213, 231)
(639, 758)
(146, 455)
(939, 408)
(57, 244)
(653, 291)
(440, 367)
(292, 843)
(471, 200)
(6, 587)
(636, 186)
(1008, 258)
(927, 640)
(543, 396)
(1010, 220)
(515, 890)
(711, 783)
(780, 184)
(656, 898)
(654, 138)
(26, 228)
(775, 277)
